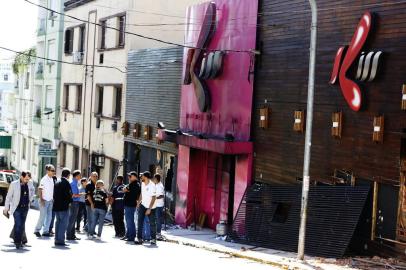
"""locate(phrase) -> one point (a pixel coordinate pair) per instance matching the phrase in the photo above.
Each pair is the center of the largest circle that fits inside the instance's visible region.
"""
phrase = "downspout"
(308, 138)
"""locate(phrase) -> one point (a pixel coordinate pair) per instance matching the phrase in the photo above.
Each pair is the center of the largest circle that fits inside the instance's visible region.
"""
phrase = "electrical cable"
(60, 61)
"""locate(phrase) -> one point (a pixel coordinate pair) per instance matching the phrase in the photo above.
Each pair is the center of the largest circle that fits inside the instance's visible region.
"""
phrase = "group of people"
(66, 201)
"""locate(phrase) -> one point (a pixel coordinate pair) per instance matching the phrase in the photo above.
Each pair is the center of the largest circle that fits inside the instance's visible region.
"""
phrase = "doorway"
(401, 231)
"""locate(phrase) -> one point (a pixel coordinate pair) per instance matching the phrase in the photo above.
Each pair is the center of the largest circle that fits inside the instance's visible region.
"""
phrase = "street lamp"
(308, 138)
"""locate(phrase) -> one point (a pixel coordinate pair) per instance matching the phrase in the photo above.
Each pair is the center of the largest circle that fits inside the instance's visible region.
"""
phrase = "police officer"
(117, 205)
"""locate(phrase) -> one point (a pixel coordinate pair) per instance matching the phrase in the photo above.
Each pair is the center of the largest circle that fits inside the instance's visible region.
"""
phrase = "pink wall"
(231, 93)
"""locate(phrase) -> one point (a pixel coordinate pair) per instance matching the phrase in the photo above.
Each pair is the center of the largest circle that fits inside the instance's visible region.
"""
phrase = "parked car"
(6, 177)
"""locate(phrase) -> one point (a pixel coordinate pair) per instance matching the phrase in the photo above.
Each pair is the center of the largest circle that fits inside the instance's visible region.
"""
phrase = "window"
(100, 100)
(101, 58)
(79, 98)
(50, 98)
(52, 50)
(75, 161)
(62, 150)
(117, 103)
(24, 148)
(82, 30)
(69, 41)
(5, 77)
(66, 98)
(27, 80)
(103, 28)
(121, 32)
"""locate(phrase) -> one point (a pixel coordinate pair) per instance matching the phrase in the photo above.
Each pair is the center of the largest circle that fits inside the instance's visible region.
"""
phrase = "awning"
(208, 144)
(5, 142)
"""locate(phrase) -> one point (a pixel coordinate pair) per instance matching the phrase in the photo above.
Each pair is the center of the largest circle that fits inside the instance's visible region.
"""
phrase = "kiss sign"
(345, 58)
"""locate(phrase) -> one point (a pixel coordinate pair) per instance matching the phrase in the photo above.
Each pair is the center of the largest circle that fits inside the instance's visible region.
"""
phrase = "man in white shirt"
(160, 191)
(45, 197)
(146, 208)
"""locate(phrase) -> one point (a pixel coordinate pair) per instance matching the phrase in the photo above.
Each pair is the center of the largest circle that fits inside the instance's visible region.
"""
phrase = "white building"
(47, 80)
(24, 146)
(92, 99)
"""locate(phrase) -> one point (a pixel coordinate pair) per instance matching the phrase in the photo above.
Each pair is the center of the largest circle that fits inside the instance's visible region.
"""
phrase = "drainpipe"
(308, 138)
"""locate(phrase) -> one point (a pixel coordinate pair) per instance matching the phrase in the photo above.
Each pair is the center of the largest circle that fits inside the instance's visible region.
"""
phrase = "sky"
(18, 24)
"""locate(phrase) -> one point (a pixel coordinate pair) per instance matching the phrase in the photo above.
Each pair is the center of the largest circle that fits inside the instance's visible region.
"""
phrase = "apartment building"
(94, 89)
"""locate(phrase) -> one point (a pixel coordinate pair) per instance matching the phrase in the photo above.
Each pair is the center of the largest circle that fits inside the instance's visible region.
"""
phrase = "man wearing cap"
(45, 198)
(132, 193)
(147, 207)
(117, 205)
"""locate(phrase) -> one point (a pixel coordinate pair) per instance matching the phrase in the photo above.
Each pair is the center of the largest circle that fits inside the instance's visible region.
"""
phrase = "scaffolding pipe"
(309, 124)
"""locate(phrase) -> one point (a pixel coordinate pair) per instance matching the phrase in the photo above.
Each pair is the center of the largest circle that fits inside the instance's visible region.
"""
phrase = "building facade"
(24, 153)
(154, 78)
(93, 91)
(215, 151)
(359, 106)
(47, 81)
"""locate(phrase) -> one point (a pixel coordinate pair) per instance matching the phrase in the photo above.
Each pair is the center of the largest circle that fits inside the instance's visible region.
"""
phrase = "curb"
(230, 253)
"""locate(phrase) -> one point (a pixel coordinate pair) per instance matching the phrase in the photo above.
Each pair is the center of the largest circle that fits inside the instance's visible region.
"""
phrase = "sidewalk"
(206, 239)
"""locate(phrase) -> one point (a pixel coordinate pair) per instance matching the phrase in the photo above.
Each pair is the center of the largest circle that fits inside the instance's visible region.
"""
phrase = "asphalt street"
(108, 253)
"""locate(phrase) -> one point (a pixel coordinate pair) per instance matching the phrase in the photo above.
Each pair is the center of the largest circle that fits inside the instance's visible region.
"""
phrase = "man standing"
(159, 210)
(19, 196)
(117, 205)
(131, 197)
(91, 186)
(46, 196)
(62, 199)
(74, 206)
(147, 207)
(82, 205)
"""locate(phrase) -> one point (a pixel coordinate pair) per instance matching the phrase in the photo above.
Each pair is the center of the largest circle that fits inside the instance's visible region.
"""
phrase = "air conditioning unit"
(77, 57)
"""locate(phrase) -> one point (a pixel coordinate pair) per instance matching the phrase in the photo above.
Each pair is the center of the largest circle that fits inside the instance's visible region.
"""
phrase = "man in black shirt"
(91, 186)
(117, 205)
(62, 200)
(131, 197)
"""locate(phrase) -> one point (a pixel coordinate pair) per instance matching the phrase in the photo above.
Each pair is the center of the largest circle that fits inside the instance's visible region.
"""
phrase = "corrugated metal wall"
(153, 91)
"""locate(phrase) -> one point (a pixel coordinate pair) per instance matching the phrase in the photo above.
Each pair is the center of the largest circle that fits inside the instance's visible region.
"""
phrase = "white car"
(6, 177)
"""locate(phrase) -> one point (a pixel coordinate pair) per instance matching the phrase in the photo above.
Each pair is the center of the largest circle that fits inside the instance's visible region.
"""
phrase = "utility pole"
(308, 138)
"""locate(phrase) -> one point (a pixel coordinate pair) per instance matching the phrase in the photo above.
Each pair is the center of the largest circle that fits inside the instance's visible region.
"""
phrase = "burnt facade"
(370, 143)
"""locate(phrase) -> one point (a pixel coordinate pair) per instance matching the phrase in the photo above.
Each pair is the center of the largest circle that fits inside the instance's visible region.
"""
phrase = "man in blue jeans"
(74, 206)
(147, 207)
(160, 192)
(132, 194)
(19, 197)
(46, 196)
(90, 187)
(62, 200)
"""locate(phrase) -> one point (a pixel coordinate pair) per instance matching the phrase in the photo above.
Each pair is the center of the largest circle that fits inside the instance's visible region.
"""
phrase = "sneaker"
(37, 234)
(90, 236)
(98, 237)
(18, 246)
(46, 234)
(124, 238)
(138, 242)
(51, 232)
(153, 242)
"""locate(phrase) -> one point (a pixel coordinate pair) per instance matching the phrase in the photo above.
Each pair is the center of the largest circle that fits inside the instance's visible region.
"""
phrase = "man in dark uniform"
(131, 197)
(117, 205)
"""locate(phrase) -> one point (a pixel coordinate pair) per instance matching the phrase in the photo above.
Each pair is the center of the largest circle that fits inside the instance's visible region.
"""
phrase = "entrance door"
(401, 232)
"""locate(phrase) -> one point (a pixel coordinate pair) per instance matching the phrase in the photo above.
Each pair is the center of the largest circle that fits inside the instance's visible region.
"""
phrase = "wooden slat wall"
(281, 79)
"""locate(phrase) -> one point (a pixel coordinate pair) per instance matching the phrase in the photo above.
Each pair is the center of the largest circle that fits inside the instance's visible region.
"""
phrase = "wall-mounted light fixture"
(337, 119)
(298, 125)
(125, 128)
(378, 129)
(264, 118)
(404, 97)
(137, 130)
(147, 133)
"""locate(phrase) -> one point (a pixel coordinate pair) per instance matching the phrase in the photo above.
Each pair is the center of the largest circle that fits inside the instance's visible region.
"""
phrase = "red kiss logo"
(345, 58)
